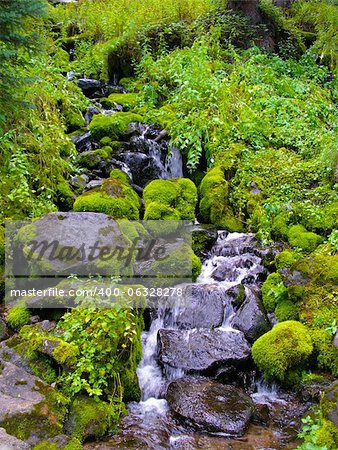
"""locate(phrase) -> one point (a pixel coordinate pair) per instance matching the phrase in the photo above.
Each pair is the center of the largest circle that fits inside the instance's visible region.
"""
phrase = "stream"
(200, 389)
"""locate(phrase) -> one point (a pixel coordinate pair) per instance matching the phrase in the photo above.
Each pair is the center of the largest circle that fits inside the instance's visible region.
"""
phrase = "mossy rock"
(66, 443)
(173, 199)
(64, 195)
(74, 120)
(91, 160)
(114, 197)
(273, 291)
(44, 410)
(115, 126)
(88, 418)
(181, 263)
(2, 245)
(327, 435)
(127, 101)
(214, 203)
(280, 227)
(286, 310)
(286, 259)
(324, 350)
(287, 346)
(17, 317)
(299, 237)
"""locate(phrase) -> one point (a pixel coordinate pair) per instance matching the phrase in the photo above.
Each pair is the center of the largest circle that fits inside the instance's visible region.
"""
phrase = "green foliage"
(18, 43)
(273, 292)
(114, 126)
(318, 433)
(91, 159)
(286, 259)
(17, 317)
(287, 346)
(109, 344)
(114, 197)
(319, 19)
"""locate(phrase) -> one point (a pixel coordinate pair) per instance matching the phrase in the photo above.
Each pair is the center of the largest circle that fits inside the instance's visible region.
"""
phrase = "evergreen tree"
(18, 42)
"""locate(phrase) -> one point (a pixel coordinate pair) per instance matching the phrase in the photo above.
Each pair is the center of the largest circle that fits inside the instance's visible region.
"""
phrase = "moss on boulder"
(17, 317)
(128, 101)
(299, 237)
(173, 199)
(287, 346)
(115, 126)
(88, 418)
(92, 159)
(214, 203)
(114, 197)
(273, 291)
(286, 310)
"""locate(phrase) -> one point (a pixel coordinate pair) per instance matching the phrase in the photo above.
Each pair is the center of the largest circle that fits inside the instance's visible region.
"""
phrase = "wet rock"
(203, 238)
(91, 111)
(204, 308)
(335, 340)
(8, 442)
(78, 183)
(28, 406)
(89, 86)
(329, 403)
(251, 318)
(202, 350)
(144, 168)
(60, 233)
(210, 406)
(3, 330)
(82, 142)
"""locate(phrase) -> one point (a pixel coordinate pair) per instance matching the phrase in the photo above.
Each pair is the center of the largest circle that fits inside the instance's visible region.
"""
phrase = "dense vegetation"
(253, 109)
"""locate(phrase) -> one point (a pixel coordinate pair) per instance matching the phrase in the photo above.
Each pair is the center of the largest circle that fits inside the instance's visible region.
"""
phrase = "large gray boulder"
(251, 318)
(210, 406)
(8, 442)
(202, 350)
(29, 409)
(204, 308)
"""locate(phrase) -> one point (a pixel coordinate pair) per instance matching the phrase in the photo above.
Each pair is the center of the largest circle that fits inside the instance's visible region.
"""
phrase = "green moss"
(286, 310)
(115, 126)
(300, 238)
(72, 444)
(92, 159)
(74, 120)
(2, 245)
(89, 418)
(214, 204)
(273, 291)
(196, 266)
(114, 197)
(326, 354)
(17, 317)
(128, 101)
(173, 199)
(327, 435)
(287, 346)
(286, 259)
(106, 141)
(64, 195)
(280, 227)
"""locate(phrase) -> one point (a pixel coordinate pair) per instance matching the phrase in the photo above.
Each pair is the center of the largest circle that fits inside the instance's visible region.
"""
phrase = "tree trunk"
(248, 7)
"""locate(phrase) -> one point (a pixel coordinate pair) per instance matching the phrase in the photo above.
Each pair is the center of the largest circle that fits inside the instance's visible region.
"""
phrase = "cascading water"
(209, 338)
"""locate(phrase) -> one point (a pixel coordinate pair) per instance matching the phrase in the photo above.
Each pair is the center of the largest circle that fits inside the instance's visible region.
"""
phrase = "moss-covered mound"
(214, 203)
(287, 346)
(92, 159)
(128, 101)
(173, 199)
(115, 126)
(299, 237)
(114, 197)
